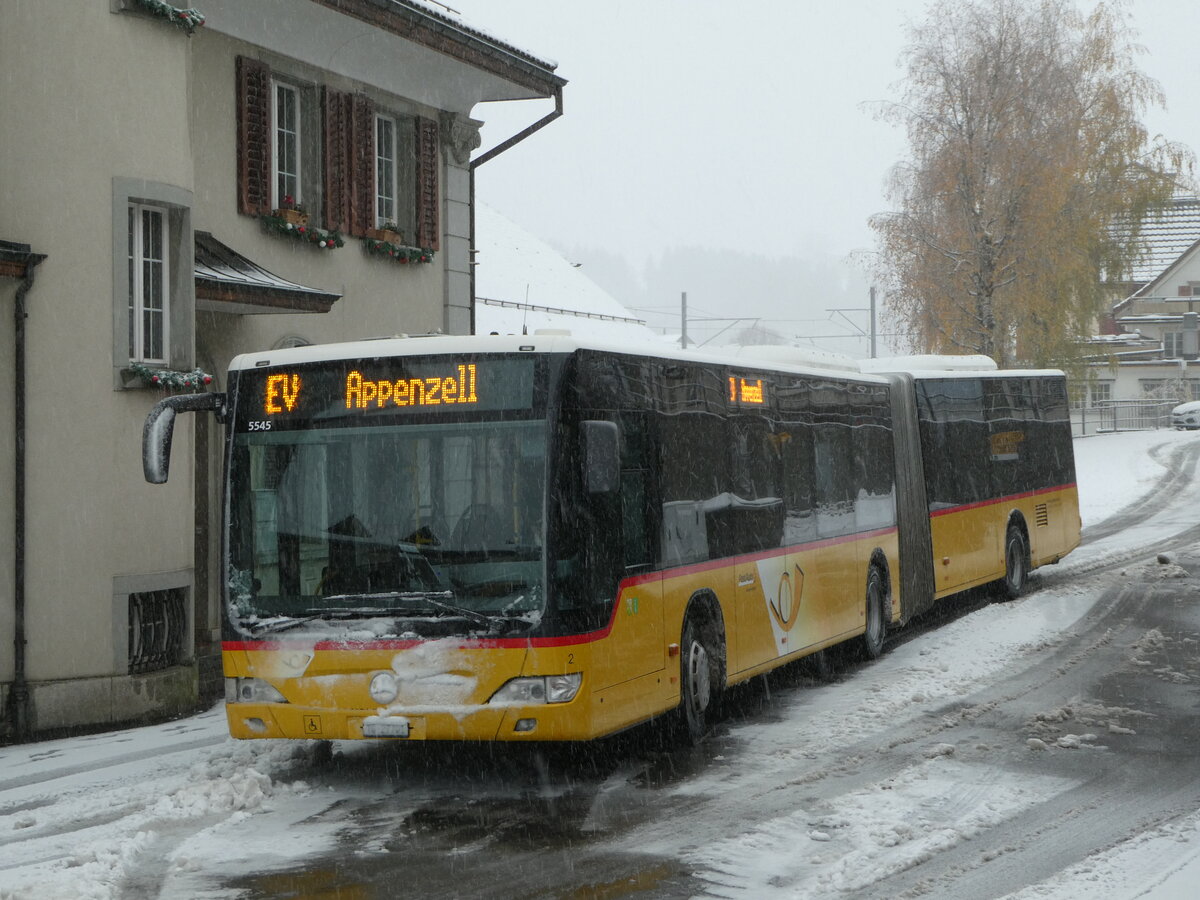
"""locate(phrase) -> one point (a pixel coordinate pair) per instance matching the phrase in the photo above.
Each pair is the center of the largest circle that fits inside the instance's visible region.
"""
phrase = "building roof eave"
(424, 25)
(228, 282)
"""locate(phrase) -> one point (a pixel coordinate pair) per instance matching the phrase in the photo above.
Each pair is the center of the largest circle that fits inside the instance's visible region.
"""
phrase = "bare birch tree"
(1027, 151)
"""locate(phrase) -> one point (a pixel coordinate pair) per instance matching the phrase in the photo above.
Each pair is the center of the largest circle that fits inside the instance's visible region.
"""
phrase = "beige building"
(155, 172)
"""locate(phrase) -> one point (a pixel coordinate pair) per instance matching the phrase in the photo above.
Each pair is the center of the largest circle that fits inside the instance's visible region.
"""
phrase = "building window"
(1172, 344)
(385, 170)
(158, 628)
(157, 614)
(1101, 391)
(148, 279)
(1160, 389)
(352, 165)
(286, 137)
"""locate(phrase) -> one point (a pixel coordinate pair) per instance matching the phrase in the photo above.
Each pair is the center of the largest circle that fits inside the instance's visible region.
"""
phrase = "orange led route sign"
(743, 391)
(282, 391)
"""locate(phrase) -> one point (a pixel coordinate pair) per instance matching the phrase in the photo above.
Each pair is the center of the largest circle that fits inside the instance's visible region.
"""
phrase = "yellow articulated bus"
(541, 538)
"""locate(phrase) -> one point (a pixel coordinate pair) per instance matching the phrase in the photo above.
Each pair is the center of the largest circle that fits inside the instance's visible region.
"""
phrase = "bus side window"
(833, 456)
(954, 441)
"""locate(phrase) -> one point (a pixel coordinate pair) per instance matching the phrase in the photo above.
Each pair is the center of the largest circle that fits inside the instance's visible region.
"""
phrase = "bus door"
(636, 645)
(628, 680)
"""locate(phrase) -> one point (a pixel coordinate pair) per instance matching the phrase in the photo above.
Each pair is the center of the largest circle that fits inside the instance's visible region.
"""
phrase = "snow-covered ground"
(81, 817)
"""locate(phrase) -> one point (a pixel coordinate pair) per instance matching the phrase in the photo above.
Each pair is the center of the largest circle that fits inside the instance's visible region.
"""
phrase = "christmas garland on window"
(188, 18)
(318, 237)
(397, 252)
(169, 378)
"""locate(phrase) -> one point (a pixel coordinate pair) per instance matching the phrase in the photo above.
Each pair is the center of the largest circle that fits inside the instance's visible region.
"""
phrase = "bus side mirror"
(601, 456)
(160, 426)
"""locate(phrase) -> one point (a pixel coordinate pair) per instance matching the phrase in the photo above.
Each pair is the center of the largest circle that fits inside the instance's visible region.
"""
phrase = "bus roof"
(779, 358)
(801, 360)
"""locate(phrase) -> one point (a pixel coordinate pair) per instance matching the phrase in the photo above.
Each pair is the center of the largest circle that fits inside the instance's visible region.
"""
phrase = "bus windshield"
(420, 521)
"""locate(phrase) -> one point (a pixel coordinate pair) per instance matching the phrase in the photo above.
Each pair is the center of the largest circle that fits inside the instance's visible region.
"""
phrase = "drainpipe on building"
(1191, 337)
(18, 698)
(491, 154)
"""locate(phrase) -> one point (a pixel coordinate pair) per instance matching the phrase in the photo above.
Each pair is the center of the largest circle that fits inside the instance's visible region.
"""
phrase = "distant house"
(1152, 332)
(175, 190)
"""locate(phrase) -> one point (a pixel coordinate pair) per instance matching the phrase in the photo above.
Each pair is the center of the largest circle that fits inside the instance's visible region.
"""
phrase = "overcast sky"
(733, 125)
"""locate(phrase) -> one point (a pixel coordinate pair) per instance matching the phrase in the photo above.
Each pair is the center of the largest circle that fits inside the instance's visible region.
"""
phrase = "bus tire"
(696, 662)
(1016, 563)
(872, 639)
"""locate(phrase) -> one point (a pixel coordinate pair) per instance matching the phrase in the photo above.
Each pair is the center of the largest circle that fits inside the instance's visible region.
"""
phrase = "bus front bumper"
(547, 722)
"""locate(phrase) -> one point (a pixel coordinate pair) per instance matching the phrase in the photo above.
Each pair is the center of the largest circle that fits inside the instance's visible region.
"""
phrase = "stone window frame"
(124, 586)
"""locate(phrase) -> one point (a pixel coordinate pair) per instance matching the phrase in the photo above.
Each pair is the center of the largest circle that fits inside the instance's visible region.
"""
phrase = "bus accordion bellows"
(543, 538)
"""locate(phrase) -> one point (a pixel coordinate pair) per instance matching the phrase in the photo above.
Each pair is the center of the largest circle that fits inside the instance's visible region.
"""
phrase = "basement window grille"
(157, 626)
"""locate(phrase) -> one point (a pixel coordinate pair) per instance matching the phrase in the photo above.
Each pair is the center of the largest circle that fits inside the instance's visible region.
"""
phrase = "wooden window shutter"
(253, 136)
(361, 145)
(335, 110)
(428, 229)
(1185, 290)
(349, 161)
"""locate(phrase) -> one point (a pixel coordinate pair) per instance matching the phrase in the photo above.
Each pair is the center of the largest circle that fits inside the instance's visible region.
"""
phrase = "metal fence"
(1122, 415)
(157, 627)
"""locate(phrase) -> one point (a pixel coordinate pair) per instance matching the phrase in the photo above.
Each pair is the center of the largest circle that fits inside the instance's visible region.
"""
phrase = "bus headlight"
(546, 689)
(383, 687)
(251, 690)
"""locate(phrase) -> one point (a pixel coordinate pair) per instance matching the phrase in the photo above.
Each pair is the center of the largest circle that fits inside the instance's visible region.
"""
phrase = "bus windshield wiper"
(436, 599)
(285, 623)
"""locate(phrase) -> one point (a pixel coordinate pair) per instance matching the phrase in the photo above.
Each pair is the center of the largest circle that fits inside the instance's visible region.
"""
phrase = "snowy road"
(1040, 748)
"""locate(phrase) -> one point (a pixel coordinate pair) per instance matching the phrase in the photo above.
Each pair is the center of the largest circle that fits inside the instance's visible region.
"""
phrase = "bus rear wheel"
(695, 682)
(872, 639)
(1016, 563)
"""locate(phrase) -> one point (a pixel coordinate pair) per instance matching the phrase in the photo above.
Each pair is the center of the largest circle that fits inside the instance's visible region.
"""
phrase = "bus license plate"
(391, 728)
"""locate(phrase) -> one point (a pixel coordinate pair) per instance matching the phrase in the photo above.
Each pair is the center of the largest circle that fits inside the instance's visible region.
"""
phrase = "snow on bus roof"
(930, 366)
(813, 362)
(930, 363)
(778, 358)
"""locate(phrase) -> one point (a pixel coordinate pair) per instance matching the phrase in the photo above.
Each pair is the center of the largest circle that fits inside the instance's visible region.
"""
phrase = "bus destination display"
(369, 387)
(744, 391)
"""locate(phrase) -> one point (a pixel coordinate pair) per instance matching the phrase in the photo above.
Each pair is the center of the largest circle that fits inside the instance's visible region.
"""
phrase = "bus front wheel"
(695, 682)
(872, 639)
(1016, 563)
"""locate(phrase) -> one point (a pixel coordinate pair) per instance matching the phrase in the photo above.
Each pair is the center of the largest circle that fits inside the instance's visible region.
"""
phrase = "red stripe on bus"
(567, 640)
(1008, 499)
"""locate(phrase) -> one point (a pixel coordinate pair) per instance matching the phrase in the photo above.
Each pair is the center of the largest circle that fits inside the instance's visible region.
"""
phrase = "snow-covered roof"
(522, 284)
(449, 16)
(227, 281)
(1166, 236)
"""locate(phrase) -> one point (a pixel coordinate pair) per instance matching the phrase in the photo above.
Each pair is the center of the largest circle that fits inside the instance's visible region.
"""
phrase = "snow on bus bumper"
(514, 723)
(446, 690)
